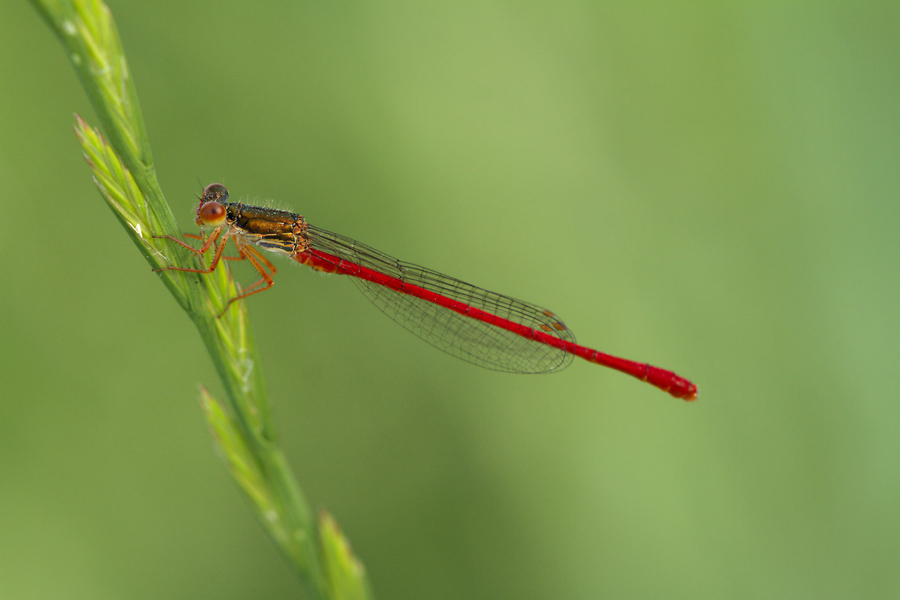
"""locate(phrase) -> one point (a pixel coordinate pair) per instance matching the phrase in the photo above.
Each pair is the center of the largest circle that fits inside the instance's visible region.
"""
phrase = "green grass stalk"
(123, 170)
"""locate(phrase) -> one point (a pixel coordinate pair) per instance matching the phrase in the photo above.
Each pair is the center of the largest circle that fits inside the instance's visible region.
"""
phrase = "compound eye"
(211, 214)
(215, 192)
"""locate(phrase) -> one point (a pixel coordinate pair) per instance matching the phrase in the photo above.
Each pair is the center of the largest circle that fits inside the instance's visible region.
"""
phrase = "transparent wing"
(486, 344)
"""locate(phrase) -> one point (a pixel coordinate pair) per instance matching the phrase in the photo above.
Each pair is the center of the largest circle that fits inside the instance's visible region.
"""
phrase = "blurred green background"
(709, 187)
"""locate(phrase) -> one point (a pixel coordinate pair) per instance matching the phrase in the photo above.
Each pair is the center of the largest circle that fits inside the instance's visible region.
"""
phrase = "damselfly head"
(211, 212)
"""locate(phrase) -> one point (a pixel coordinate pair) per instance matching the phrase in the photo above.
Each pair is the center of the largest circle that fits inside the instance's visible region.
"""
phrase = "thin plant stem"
(123, 170)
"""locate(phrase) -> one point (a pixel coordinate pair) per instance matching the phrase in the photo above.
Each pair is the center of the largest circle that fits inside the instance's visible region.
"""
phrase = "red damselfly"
(482, 327)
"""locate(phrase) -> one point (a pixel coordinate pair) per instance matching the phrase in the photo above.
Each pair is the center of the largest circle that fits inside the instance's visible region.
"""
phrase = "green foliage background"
(710, 188)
